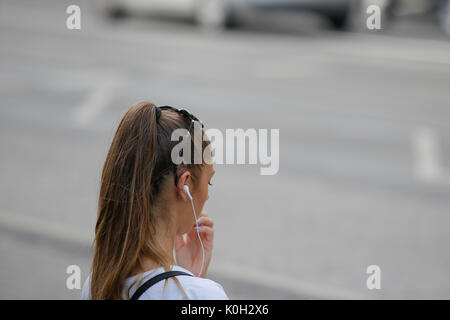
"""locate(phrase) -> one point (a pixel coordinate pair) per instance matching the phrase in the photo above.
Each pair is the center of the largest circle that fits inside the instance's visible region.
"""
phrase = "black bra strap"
(147, 284)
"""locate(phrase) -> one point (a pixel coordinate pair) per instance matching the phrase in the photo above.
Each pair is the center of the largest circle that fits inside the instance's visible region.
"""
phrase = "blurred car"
(217, 14)
(443, 11)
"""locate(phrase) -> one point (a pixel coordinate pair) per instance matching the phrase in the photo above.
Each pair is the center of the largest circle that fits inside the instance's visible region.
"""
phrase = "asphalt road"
(364, 126)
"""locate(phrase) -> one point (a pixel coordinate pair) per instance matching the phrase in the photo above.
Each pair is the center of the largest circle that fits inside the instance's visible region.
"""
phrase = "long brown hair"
(137, 164)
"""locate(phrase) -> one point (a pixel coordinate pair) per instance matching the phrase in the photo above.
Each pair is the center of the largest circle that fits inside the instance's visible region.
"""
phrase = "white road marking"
(427, 155)
(94, 104)
(241, 273)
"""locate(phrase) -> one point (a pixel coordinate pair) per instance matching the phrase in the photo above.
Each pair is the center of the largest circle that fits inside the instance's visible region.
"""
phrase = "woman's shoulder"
(86, 290)
(202, 288)
(196, 288)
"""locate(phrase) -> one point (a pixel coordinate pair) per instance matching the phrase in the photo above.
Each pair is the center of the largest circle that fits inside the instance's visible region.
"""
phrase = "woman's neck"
(166, 237)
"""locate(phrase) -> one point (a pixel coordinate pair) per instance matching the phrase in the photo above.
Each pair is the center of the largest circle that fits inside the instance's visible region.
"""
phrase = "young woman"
(150, 243)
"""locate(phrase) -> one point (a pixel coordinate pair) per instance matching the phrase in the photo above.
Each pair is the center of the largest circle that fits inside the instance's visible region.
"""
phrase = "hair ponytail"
(123, 232)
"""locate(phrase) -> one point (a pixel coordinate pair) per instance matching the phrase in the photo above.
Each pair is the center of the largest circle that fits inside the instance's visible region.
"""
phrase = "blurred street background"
(364, 119)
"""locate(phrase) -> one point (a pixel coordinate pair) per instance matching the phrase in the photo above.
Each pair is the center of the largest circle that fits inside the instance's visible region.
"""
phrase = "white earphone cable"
(199, 238)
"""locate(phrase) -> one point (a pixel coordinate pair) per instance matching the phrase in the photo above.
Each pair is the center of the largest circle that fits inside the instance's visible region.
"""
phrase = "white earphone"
(186, 190)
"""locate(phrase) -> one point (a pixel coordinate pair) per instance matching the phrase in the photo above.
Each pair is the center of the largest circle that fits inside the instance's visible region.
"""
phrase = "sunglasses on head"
(184, 112)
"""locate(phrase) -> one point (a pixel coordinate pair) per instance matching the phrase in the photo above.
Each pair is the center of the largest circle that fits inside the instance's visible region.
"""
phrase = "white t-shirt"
(196, 288)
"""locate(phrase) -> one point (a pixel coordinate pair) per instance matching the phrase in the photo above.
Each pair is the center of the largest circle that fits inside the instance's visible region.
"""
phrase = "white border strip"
(45, 229)
(279, 282)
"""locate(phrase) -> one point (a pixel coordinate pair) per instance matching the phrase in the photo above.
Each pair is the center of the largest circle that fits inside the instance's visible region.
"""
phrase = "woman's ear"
(184, 179)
